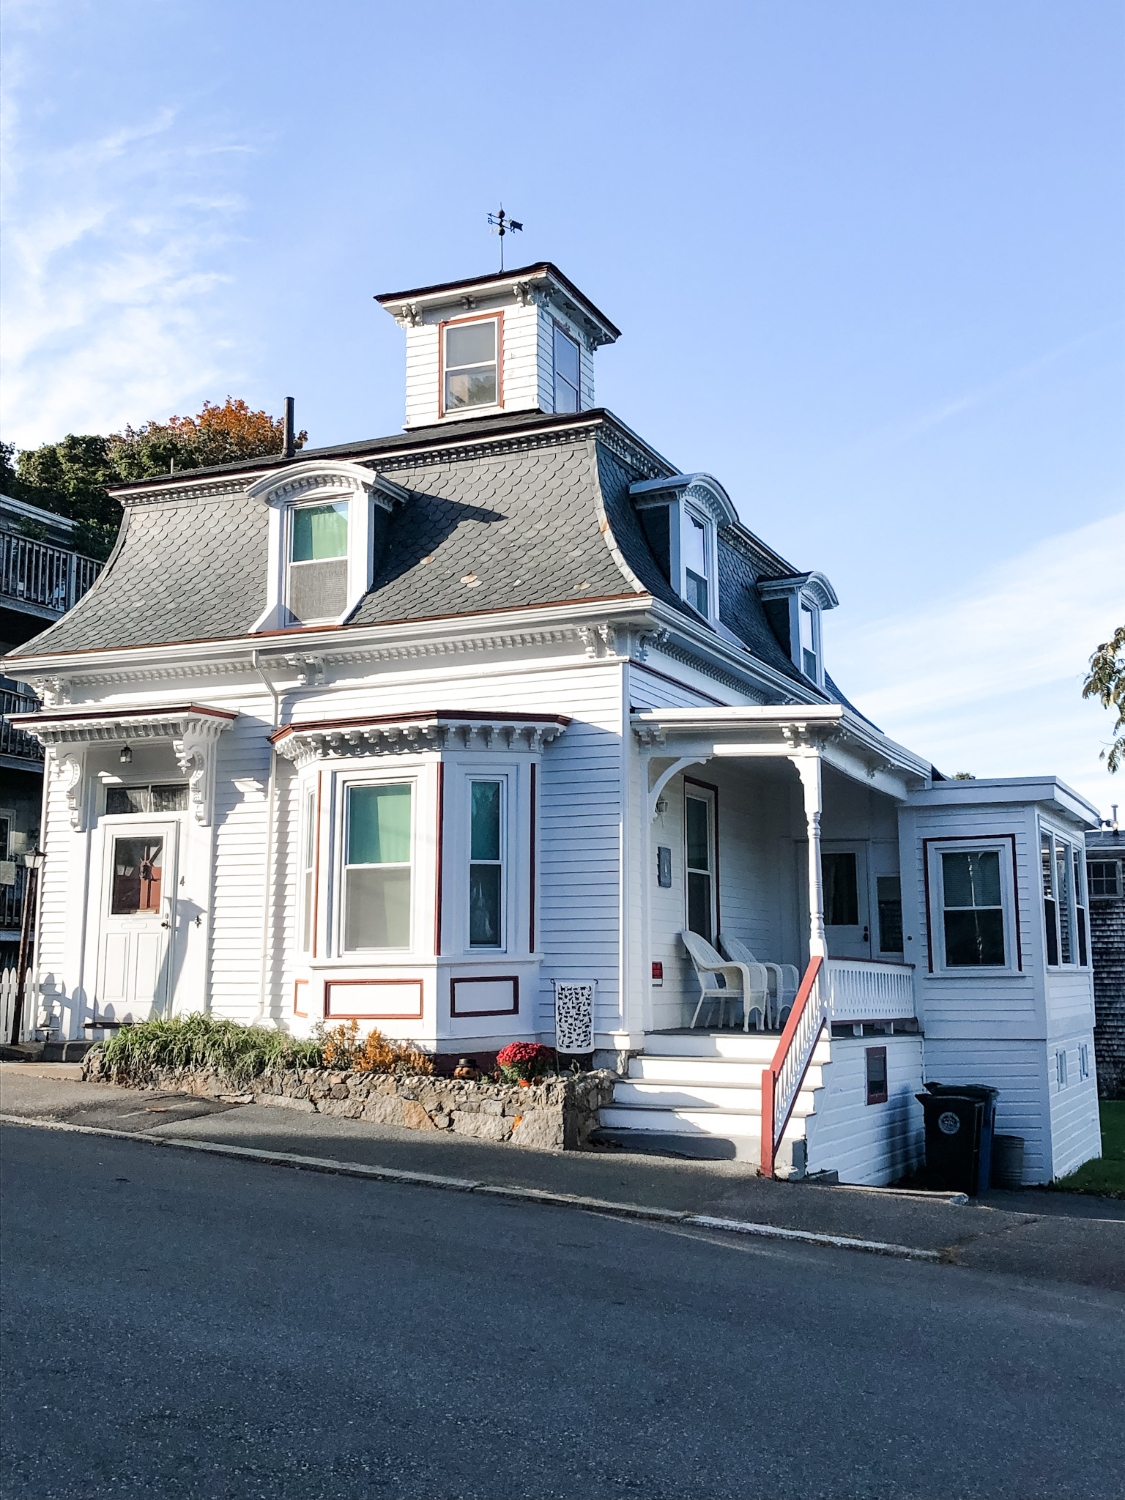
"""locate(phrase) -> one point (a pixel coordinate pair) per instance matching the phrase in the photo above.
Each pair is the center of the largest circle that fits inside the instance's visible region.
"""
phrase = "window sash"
(318, 533)
(378, 865)
(471, 377)
(1103, 878)
(699, 861)
(568, 376)
(486, 863)
(973, 909)
(308, 871)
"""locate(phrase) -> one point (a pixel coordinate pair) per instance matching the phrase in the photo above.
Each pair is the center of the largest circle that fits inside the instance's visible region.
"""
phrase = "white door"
(847, 907)
(137, 921)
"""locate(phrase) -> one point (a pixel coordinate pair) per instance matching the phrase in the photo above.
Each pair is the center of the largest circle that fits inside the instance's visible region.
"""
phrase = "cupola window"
(317, 583)
(568, 396)
(471, 364)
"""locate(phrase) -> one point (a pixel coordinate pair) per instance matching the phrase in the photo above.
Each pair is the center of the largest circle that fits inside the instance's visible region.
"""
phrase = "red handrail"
(770, 1074)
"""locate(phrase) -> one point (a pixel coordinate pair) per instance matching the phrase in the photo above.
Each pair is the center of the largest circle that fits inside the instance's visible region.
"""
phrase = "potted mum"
(520, 1062)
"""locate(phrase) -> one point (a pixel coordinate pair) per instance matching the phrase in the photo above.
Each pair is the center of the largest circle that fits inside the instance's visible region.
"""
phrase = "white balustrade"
(859, 990)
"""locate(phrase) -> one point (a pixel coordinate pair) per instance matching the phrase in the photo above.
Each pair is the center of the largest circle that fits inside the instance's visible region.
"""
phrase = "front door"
(847, 915)
(137, 921)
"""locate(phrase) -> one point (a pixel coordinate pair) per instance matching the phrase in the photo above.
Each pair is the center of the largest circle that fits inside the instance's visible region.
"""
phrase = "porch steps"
(699, 1094)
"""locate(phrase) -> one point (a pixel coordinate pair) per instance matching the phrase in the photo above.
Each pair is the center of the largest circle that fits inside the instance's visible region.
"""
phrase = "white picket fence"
(8, 987)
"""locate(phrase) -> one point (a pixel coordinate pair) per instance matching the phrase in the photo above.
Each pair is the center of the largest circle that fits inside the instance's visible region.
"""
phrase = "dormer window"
(327, 526)
(697, 547)
(317, 576)
(471, 361)
(810, 640)
(568, 390)
(794, 606)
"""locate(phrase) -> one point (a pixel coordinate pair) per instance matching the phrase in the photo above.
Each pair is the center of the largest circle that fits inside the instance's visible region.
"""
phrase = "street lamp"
(34, 863)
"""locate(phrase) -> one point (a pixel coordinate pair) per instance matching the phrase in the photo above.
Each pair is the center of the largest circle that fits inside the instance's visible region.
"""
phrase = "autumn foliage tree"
(72, 477)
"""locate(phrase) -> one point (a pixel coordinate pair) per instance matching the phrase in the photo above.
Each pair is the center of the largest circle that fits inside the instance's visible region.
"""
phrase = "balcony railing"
(11, 900)
(859, 990)
(13, 740)
(37, 574)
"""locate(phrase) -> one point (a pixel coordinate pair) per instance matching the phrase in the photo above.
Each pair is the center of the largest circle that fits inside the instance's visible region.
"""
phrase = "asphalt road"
(182, 1327)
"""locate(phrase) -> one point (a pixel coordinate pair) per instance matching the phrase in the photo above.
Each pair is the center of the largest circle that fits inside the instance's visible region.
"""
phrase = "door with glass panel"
(378, 861)
(137, 921)
(847, 906)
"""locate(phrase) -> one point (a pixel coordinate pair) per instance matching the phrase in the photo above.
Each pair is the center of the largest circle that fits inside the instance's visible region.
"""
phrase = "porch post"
(808, 768)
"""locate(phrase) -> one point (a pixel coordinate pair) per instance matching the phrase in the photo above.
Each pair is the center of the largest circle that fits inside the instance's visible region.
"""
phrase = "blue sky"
(866, 256)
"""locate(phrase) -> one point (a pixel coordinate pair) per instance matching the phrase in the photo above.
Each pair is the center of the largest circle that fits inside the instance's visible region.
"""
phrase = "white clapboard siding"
(869, 1144)
(1075, 1126)
(1070, 1001)
(1019, 1070)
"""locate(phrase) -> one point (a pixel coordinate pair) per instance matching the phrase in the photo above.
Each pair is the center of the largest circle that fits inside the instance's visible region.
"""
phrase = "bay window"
(486, 865)
(378, 850)
(1064, 900)
(973, 910)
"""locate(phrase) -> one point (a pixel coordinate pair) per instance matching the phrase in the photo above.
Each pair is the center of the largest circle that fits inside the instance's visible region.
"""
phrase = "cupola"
(518, 341)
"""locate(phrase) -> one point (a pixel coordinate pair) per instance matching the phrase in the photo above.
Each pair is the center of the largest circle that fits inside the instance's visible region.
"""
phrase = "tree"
(72, 477)
(1106, 681)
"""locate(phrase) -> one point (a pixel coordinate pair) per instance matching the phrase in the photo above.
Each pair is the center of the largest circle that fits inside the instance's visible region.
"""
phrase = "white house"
(430, 729)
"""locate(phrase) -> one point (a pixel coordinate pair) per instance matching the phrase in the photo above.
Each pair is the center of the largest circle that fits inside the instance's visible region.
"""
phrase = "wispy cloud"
(988, 679)
(113, 286)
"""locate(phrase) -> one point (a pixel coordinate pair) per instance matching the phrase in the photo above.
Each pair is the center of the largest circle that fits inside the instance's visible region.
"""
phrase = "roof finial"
(503, 224)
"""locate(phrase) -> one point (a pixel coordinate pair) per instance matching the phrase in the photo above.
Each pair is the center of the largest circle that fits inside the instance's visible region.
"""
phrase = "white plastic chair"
(784, 981)
(747, 982)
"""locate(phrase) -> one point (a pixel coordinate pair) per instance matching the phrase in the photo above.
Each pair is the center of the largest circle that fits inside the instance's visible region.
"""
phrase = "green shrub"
(194, 1042)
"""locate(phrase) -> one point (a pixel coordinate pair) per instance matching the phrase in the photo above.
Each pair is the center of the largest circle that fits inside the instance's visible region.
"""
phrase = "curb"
(603, 1206)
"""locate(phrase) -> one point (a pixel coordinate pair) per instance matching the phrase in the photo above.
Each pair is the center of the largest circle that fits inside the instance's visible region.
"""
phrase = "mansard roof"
(513, 512)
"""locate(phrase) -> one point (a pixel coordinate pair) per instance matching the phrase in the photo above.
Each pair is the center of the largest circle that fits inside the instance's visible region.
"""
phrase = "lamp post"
(34, 863)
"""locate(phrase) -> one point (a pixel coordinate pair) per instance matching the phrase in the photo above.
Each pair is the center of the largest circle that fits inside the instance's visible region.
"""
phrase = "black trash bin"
(959, 1126)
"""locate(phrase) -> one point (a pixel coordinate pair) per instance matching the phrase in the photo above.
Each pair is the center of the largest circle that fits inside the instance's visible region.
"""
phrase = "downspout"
(271, 812)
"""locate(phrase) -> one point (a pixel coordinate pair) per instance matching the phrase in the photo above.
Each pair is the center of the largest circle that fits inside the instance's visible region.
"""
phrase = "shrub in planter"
(520, 1062)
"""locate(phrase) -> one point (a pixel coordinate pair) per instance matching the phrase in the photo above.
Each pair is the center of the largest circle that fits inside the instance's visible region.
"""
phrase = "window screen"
(973, 915)
(318, 561)
(377, 873)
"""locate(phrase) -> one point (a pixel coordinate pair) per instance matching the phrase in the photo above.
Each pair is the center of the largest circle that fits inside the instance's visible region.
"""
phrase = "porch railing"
(36, 573)
(781, 1081)
(13, 740)
(12, 899)
(860, 990)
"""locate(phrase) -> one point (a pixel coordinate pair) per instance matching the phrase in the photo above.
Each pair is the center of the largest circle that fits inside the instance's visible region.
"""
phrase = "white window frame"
(693, 791)
(307, 834)
(557, 332)
(1083, 1061)
(1078, 899)
(317, 503)
(458, 413)
(1061, 1069)
(296, 486)
(689, 515)
(392, 776)
(501, 777)
(1003, 847)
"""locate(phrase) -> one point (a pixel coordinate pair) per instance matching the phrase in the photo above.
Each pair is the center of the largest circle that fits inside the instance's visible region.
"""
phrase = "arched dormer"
(794, 606)
(682, 517)
(323, 540)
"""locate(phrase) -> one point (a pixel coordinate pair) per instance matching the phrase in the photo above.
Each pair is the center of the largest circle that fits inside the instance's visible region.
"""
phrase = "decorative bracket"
(70, 771)
(681, 764)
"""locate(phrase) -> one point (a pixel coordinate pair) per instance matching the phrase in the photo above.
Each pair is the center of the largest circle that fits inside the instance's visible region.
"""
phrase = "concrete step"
(742, 1148)
(727, 1096)
(738, 1046)
(708, 1070)
(683, 1121)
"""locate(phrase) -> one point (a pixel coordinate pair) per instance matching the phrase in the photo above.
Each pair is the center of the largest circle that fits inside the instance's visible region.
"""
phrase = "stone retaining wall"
(552, 1114)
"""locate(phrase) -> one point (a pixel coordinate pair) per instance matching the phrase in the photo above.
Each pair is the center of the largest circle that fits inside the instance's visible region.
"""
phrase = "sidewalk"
(1045, 1235)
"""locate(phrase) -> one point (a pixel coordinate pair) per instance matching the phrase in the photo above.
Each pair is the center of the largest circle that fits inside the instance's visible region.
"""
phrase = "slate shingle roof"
(520, 519)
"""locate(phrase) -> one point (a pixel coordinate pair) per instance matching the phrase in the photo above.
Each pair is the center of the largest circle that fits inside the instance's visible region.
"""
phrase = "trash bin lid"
(962, 1090)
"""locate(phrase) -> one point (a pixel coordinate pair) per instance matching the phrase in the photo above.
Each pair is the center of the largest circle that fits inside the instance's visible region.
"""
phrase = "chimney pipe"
(290, 448)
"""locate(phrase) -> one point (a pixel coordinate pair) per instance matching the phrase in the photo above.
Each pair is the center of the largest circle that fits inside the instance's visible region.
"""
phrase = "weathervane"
(502, 224)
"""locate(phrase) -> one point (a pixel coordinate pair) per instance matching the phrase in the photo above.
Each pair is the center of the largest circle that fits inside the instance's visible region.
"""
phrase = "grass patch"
(194, 1042)
(1106, 1176)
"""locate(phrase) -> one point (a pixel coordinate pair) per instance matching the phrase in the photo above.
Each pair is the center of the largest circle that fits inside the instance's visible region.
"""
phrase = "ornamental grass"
(196, 1042)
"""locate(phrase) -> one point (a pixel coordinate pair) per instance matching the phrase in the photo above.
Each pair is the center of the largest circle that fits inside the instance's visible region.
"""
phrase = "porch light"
(126, 755)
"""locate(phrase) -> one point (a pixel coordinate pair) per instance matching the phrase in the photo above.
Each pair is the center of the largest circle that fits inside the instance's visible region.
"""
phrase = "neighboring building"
(423, 729)
(1105, 875)
(41, 576)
